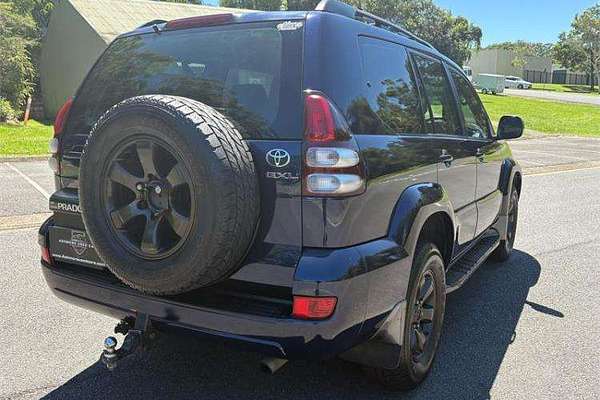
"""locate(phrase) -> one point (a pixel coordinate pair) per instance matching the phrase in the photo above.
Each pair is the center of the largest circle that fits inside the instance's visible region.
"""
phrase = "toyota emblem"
(278, 158)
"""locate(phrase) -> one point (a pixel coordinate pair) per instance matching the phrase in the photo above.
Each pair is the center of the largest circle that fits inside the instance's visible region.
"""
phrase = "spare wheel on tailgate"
(168, 193)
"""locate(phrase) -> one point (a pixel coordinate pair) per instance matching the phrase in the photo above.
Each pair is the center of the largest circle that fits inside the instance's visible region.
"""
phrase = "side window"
(476, 120)
(391, 101)
(439, 107)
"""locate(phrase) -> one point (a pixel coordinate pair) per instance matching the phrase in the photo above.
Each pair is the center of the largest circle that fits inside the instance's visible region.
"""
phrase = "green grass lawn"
(30, 140)
(554, 87)
(546, 116)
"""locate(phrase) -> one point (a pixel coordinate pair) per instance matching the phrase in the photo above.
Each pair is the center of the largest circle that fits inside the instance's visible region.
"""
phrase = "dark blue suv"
(311, 184)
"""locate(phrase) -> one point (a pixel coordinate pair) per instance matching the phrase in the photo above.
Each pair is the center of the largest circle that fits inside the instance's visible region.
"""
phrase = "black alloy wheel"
(149, 199)
(513, 217)
(423, 311)
(505, 248)
(426, 304)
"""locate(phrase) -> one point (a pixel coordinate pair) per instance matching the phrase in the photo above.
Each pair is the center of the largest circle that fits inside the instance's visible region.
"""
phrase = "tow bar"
(138, 333)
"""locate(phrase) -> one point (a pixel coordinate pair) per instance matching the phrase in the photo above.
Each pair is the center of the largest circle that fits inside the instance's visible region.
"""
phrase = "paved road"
(556, 96)
(525, 329)
(546, 151)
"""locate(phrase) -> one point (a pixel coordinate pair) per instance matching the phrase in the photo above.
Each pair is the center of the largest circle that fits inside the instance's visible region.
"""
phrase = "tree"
(454, 36)
(17, 73)
(579, 49)
(525, 48)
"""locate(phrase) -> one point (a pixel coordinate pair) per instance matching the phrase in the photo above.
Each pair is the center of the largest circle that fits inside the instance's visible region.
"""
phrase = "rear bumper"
(369, 281)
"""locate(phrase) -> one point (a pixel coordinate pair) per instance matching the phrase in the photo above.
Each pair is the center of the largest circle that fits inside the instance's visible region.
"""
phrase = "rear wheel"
(505, 248)
(426, 302)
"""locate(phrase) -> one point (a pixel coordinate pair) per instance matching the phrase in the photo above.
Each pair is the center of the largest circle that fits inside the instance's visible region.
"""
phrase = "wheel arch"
(511, 174)
(422, 212)
(439, 230)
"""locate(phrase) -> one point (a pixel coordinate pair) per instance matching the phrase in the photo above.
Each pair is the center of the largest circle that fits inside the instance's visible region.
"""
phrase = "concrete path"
(581, 98)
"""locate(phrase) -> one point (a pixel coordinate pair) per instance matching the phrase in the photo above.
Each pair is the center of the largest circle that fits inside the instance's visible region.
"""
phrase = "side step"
(462, 270)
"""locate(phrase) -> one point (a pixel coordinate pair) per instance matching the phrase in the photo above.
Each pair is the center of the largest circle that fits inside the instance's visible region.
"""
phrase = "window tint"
(476, 121)
(249, 72)
(391, 102)
(439, 107)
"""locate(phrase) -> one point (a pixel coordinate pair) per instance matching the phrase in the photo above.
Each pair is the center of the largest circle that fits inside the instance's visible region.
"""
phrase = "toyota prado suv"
(309, 184)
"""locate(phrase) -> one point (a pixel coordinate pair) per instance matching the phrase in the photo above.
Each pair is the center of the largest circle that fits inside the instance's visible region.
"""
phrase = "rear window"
(392, 101)
(249, 72)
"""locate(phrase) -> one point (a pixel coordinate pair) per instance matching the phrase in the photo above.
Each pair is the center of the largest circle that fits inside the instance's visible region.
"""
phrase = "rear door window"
(476, 120)
(391, 102)
(439, 106)
(250, 72)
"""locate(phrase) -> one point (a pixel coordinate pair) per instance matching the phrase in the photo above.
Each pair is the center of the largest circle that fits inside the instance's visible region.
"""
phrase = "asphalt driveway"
(556, 96)
(556, 152)
(524, 329)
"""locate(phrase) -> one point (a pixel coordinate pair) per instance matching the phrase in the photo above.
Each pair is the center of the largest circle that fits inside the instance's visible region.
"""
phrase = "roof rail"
(153, 22)
(341, 8)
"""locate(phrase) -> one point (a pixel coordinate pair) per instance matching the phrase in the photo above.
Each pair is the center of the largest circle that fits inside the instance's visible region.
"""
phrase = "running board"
(462, 270)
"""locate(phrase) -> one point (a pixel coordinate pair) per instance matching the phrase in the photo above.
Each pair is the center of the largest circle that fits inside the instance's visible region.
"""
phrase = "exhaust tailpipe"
(271, 365)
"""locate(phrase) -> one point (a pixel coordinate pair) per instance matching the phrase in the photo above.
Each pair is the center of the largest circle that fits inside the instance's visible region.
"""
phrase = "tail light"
(61, 117)
(332, 164)
(195, 22)
(46, 257)
(306, 307)
(45, 252)
(59, 126)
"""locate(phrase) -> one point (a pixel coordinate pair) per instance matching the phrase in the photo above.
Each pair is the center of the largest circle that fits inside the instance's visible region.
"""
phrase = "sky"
(510, 20)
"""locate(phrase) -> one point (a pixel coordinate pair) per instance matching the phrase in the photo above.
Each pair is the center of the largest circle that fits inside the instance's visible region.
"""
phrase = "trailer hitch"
(138, 333)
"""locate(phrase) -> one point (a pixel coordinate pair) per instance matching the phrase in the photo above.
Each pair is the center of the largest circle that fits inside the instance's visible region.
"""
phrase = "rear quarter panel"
(332, 64)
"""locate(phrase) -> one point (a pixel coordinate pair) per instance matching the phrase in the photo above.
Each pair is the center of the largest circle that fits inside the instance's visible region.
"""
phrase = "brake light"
(195, 22)
(305, 307)
(332, 164)
(61, 117)
(46, 255)
(319, 123)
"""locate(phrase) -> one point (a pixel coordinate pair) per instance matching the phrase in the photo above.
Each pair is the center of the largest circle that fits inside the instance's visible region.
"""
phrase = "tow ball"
(138, 333)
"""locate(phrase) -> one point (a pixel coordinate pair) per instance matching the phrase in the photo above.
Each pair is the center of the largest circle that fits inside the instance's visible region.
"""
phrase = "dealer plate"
(73, 246)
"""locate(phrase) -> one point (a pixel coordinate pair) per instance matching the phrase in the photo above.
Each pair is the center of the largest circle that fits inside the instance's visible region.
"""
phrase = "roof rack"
(341, 8)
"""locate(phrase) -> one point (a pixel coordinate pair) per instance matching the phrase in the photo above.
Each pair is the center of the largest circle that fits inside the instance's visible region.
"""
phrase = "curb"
(24, 158)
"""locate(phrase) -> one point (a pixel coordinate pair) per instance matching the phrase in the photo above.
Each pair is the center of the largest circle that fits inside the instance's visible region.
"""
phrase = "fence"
(572, 78)
(537, 76)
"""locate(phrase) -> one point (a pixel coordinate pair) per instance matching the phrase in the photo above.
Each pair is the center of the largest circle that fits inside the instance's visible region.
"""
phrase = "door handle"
(446, 158)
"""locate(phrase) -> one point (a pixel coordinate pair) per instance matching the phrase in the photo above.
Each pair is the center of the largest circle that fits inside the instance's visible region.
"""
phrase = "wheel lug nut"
(157, 189)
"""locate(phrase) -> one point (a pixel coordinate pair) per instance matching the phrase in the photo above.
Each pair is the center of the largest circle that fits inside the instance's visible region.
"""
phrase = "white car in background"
(514, 82)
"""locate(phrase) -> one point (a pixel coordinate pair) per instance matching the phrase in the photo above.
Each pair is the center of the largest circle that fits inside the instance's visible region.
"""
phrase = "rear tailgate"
(252, 73)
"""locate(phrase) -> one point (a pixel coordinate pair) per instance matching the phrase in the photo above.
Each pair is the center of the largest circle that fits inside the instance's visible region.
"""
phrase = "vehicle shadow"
(479, 327)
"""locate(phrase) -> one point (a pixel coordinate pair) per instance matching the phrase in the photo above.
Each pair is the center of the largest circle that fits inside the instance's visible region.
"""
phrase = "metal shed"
(80, 30)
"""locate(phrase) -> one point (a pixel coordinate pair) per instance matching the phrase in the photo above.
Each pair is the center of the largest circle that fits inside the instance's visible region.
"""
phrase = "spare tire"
(168, 193)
